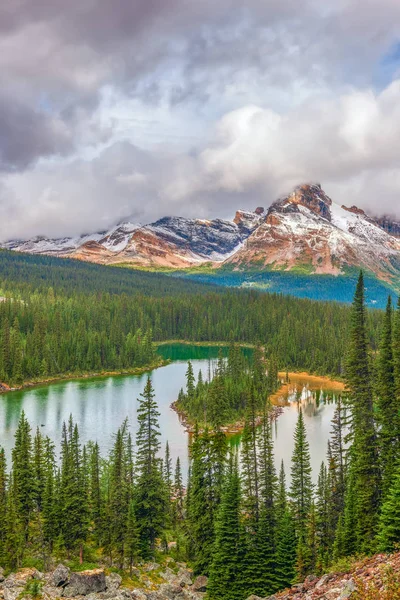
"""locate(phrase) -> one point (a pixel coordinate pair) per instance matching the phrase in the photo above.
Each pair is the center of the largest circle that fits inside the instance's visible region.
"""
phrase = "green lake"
(100, 405)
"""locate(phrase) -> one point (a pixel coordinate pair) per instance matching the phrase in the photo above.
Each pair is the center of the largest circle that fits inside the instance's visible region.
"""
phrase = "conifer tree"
(23, 474)
(225, 567)
(190, 381)
(301, 488)
(131, 538)
(150, 493)
(364, 454)
(15, 530)
(323, 507)
(201, 505)
(95, 496)
(168, 473)
(285, 538)
(51, 523)
(389, 523)
(3, 502)
(396, 351)
(74, 501)
(388, 413)
(119, 497)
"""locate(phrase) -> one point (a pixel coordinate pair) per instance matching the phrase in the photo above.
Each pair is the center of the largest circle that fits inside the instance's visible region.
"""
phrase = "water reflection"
(101, 405)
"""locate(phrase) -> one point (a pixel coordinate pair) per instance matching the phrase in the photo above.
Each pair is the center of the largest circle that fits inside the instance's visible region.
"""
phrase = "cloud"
(110, 109)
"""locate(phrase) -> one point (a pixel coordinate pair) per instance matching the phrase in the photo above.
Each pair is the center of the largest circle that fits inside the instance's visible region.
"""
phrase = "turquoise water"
(99, 406)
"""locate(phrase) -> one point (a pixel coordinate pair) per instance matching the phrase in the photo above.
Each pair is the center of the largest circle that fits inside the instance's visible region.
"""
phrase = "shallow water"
(99, 406)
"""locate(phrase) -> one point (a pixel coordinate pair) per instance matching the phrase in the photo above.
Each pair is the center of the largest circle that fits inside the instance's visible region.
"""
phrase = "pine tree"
(150, 493)
(225, 567)
(337, 462)
(323, 507)
(301, 488)
(285, 538)
(190, 381)
(388, 414)
(389, 523)
(396, 351)
(201, 505)
(168, 473)
(119, 497)
(23, 474)
(74, 500)
(364, 454)
(15, 534)
(131, 538)
(3, 502)
(51, 525)
(95, 496)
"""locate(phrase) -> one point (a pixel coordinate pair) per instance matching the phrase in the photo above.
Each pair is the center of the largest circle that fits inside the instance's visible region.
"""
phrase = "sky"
(145, 108)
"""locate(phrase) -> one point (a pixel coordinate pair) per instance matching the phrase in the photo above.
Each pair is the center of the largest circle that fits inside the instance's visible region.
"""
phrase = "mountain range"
(304, 232)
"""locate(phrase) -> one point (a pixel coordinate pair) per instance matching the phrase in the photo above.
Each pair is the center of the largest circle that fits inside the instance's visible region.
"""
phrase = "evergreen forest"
(251, 529)
(60, 316)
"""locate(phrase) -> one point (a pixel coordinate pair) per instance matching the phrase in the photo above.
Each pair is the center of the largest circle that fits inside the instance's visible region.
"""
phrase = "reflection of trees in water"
(311, 401)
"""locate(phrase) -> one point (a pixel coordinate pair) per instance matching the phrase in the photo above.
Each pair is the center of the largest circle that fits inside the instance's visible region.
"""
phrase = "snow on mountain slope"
(303, 231)
(307, 230)
(170, 242)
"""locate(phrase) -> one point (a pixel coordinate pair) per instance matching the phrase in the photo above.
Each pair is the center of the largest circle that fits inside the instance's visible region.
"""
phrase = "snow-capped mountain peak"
(304, 230)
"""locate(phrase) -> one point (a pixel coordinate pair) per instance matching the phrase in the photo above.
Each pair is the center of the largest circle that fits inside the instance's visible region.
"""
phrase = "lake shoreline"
(276, 408)
(5, 389)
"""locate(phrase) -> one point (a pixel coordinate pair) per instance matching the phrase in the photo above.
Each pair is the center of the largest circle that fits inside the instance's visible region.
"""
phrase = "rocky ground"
(376, 578)
(156, 583)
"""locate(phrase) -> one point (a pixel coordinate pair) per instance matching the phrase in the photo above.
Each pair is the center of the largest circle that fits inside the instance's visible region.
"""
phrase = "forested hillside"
(235, 521)
(60, 316)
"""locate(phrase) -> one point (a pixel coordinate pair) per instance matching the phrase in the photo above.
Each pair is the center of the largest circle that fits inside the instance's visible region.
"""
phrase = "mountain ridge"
(305, 229)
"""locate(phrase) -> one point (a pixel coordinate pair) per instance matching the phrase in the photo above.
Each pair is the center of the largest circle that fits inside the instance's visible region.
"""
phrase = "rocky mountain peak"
(354, 209)
(310, 195)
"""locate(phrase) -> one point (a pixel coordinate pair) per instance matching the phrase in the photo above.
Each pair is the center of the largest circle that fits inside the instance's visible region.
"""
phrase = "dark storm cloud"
(264, 93)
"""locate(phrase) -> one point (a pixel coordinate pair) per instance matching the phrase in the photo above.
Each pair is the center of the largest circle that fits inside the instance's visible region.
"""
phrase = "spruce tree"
(225, 567)
(201, 504)
(150, 492)
(3, 502)
(389, 522)
(23, 473)
(364, 453)
(388, 413)
(131, 538)
(301, 488)
(285, 538)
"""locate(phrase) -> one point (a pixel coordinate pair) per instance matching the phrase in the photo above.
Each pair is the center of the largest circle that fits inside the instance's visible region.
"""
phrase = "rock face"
(84, 583)
(95, 585)
(305, 230)
(170, 241)
(369, 577)
(60, 576)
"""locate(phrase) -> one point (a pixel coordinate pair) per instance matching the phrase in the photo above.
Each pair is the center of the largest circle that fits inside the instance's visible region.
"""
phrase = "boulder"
(138, 595)
(1, 574)
(60, 575)
(200, 584)
(49, 592)
(113, 581)
(169, 591)
(84, 583)
(15, 583)
(348, 590)
(184, 577)
(168, 575)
